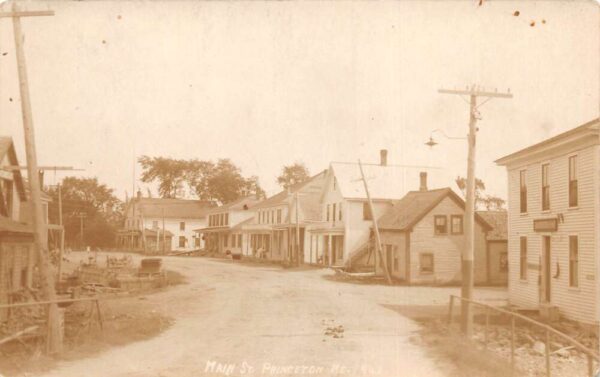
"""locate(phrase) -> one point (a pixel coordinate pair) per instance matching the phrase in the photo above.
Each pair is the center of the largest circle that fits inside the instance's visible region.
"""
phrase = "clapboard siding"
(576, 303)
(446, 249)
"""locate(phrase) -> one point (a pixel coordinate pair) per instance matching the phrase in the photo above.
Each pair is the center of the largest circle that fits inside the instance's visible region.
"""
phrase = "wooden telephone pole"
(382, 260)
(54, 342)
(469, 250)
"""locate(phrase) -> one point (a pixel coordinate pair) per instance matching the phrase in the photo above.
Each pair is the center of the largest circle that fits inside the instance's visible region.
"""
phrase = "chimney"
(383, 157)
(423, 179)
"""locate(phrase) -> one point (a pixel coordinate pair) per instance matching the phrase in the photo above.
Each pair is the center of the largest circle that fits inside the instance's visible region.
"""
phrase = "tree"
(102, 209)
(169, 172)
(292, 174)
(226, 184)
(489, 202)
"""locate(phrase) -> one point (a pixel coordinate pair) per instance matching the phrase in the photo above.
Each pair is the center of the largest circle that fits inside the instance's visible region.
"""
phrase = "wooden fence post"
(487, 325)
(547, 352)
(512, 342)
(450, 308)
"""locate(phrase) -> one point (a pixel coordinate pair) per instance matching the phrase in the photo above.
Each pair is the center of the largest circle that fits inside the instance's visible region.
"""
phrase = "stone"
(539, 348)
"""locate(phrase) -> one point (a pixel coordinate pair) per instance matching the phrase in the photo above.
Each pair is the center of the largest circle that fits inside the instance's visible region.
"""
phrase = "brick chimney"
(423, 181)
(383, 157)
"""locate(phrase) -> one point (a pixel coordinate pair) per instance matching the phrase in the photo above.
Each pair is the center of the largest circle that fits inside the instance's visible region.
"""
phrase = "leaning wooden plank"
(19, 334)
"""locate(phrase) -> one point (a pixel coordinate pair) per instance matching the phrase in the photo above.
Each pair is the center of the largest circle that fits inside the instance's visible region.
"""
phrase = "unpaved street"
(237, 319)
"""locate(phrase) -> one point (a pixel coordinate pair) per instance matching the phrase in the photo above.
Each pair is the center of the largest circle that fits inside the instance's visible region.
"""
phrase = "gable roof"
(312, 185)
(172, 208)
(384, 181)
(7, 148)
(586, 130)
(242, 203)
(499, 223)
(415, 205)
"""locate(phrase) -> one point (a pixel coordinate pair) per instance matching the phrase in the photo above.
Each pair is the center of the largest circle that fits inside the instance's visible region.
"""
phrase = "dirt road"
(234, 319)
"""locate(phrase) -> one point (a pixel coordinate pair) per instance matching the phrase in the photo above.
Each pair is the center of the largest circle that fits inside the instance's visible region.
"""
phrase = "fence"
(591, 355)
(95, 304)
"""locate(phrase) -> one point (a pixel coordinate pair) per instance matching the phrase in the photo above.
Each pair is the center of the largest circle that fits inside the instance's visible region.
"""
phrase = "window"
(573, 261)
(328, 212)
(182, 241)
(225, 240)
(426, 263)
(523, 191)
(182, 225)
(340, 214)
(367, 215)
(545, 188)
(239, 240)
(155, 224)
(334, 212)
(441, 225)
(396, 261)
(226, 219)
(278, 216)
(573, 194)
(456, 224)
(523, 258)
(272, 217)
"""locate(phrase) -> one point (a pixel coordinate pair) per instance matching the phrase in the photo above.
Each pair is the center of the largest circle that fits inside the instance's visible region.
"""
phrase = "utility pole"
(297, 232)
(62, 232)
(81, 215)
(382, 260)
(163, 232)
(469, 250)
(54, 341)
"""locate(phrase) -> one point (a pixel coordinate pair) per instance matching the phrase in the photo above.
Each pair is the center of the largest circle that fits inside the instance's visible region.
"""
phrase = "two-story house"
(223, 232)
(278, 228)
(158, 225)
(346, 220)
(423, 239)
(17, 257)
(554, 224)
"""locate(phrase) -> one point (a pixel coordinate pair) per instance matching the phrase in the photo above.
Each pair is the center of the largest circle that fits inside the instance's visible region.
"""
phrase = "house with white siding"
(223, 230)
(554, 224)
(344, 228)
(423, 239)
(278, 228)
(161, 225)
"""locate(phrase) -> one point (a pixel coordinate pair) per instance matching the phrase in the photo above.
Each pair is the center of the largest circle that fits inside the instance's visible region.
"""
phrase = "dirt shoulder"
(125, 319)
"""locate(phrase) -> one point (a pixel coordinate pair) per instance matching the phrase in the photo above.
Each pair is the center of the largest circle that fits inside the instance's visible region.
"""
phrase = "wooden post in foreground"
(469, 250)
(54, 344)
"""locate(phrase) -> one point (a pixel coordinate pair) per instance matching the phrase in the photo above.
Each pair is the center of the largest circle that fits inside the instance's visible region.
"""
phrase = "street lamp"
(431, 143)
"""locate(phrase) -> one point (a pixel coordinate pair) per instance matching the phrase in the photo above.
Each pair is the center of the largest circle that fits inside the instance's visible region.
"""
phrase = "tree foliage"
(489, 202)
(292, 174)
(221, 181)
(102, 210)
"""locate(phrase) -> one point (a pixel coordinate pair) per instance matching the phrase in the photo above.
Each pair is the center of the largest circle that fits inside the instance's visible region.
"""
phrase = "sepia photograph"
(385, 188)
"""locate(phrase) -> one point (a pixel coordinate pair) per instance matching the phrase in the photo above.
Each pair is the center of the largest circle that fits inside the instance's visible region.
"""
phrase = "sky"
(268, 84)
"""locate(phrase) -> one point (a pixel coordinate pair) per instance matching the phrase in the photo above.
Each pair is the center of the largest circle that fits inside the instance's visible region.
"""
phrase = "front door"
(389, 256)
(546, 270)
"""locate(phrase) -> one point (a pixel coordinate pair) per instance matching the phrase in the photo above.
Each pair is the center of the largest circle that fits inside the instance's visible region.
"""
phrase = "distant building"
(497, 246)
(17, 257)
(159, 225)
(423, 238)
(554, 224)
(222, 232)
(278, 220)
